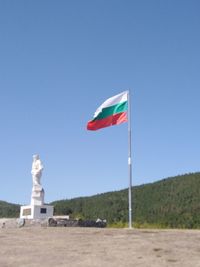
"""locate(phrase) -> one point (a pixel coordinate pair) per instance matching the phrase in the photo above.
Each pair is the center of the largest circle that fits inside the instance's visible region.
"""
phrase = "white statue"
(37, 209)
(36, 171)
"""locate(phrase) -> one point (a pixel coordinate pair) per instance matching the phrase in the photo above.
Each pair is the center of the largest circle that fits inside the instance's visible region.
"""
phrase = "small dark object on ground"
(67, 223)
(91, 223)
(52, 222)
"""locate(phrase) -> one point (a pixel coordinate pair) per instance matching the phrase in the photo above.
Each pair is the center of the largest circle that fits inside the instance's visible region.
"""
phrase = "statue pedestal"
(37, 209)
(36, 212)
(37, 196)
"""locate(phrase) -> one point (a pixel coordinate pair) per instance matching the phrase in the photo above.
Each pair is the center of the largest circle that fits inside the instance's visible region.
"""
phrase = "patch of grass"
(137, 225)
(149, 226)
(118, 225)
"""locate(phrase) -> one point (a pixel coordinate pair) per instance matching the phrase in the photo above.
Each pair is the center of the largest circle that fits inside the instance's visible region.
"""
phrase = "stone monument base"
(36, 212)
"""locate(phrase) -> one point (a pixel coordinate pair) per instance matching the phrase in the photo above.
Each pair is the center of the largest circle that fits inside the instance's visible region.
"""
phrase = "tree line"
(172, 202)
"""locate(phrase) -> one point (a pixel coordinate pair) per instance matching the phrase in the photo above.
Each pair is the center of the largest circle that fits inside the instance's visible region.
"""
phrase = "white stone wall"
(36, 212)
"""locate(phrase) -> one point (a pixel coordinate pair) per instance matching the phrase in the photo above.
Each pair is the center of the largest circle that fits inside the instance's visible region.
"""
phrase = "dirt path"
(59, 247)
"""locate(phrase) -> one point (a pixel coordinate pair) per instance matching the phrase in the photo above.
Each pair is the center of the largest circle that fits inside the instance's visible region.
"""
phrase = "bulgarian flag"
(112, 112)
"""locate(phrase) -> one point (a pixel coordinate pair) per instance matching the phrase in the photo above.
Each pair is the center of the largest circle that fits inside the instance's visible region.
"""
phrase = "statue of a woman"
(36, 170)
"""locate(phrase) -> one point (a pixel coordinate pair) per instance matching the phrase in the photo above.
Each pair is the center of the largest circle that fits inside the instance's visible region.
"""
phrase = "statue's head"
(35, 157)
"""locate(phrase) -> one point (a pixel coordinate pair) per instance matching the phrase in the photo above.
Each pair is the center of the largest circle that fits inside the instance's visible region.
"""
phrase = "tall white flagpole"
(129, 161)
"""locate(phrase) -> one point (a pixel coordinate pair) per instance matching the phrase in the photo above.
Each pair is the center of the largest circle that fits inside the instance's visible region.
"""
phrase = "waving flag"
(112, 112)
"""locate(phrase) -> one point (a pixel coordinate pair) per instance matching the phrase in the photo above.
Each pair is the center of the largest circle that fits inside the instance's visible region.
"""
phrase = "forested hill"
(8, 210)
(172, 202)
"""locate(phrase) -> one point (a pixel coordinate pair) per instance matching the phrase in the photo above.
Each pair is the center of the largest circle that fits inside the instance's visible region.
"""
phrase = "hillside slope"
(9, 210)
(172, 202)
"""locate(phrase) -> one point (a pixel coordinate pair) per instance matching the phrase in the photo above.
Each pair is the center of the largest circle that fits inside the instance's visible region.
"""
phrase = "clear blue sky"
(59, 60)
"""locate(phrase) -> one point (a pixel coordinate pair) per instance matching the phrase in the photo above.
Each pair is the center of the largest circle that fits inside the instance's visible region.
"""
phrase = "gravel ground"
(62, 246)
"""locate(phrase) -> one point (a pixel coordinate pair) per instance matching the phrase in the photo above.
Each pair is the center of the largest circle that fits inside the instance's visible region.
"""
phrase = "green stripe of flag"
(109, 111)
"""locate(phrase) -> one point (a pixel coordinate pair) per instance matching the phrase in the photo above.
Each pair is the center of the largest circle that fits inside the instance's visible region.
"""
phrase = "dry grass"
(61, 247)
